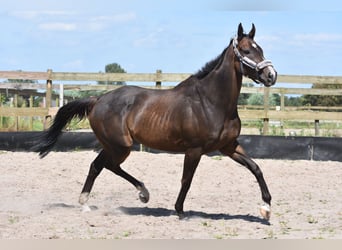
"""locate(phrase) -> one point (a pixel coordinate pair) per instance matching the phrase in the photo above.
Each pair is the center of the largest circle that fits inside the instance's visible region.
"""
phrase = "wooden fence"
(54, 81)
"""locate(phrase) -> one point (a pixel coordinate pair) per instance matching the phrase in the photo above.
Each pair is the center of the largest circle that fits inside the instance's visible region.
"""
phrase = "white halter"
(248, 62)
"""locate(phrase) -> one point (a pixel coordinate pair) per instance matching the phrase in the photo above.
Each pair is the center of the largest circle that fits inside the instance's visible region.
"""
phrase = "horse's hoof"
(144, 195)
(265, 211)
(85, 208)
(181, 215)
(84, 197)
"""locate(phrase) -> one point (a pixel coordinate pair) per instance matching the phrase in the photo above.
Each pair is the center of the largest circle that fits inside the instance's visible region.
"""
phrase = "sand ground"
(39, 199)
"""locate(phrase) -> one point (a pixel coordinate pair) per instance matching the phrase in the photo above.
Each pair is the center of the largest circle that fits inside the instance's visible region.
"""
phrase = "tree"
(113, 68)
(243, 98)
(323, 100)
(255, 99)
(258, 99)
(294, 101)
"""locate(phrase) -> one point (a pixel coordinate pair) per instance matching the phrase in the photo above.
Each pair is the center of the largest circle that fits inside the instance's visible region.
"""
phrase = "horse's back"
(120, 115)
(170, 120)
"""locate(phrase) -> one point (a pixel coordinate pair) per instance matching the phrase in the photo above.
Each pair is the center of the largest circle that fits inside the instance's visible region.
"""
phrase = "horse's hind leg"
(144, 195)
(95, 169)
(114, 166)
(111, 163)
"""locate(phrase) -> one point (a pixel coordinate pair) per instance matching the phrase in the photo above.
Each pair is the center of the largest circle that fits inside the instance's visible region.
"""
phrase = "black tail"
(78, 108)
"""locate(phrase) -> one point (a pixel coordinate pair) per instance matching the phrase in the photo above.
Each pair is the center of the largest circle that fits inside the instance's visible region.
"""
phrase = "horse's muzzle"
(268, 76)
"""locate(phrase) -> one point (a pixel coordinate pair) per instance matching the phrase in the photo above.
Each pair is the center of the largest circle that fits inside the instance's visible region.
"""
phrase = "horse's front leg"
(191, 160)
(238, 154)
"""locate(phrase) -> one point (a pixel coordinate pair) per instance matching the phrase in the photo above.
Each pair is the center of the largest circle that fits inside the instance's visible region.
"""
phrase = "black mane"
(210, 66)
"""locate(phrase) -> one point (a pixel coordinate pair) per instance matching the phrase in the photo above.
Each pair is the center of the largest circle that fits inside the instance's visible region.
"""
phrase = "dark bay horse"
(196, 117)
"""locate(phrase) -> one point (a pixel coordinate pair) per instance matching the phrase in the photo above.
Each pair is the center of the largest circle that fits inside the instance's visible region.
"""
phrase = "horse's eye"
(246, 51)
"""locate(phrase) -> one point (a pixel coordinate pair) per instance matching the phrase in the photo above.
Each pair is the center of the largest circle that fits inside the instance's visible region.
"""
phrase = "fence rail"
(54, 81)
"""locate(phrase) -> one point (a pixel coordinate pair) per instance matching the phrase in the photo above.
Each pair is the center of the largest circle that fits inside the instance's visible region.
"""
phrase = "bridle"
(244, 60)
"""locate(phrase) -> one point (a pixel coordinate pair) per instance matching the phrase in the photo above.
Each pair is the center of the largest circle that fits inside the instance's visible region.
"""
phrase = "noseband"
(244, 60)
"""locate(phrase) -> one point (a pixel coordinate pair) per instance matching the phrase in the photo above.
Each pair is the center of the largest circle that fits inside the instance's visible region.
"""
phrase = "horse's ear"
(252, 32)
(240, 32)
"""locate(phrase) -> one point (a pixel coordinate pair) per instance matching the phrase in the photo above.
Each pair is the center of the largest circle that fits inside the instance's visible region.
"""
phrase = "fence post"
(282, 100)
(282, 108)
(158, 77)
(48, 97)
(48, 89)
(266, 108)
(316, 127)
(1, 123)
(61, 95)
(16, 117)
(265, 126)
(31, 117)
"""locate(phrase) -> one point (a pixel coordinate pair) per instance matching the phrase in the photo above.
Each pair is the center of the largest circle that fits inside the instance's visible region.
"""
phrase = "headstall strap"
(238, 55)
(248, 62)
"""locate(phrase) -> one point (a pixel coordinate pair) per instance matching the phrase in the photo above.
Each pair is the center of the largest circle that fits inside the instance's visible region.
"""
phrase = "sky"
(175, 36)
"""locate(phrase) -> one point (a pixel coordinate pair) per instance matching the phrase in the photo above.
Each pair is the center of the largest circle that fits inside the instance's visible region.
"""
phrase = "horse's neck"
(222, 86)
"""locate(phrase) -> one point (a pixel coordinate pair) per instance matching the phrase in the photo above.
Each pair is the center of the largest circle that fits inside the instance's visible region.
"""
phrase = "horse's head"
(250, 58)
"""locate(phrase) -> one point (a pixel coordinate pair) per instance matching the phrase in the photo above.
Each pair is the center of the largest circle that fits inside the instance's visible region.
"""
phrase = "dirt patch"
(39, 199)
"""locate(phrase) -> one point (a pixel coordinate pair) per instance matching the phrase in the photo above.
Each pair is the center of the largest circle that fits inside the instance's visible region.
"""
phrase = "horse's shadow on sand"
(164, 212)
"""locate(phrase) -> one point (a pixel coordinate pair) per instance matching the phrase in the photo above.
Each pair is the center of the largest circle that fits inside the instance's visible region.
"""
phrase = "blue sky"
(174, 36)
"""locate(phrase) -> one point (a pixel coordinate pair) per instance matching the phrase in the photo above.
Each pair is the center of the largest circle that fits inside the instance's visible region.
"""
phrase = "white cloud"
(34, 14)
(307, 41)
(249, 5)
(149, 40)
(65, 20)
(117, 18)
(57, 26)
(271, 5)
(323, 40)
(318, 37)
(99, 23)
